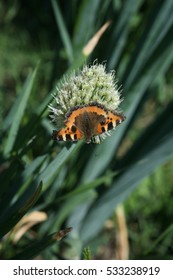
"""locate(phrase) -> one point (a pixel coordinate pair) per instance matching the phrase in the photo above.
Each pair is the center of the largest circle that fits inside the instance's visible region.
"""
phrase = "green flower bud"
(91, 85)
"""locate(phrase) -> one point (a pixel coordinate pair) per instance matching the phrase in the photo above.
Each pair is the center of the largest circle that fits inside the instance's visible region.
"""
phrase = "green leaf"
(157, 26)
(168, 231)
(20, 105)
(85, 23)
(12, 190)
(160, 129)
(35, 248)
(123, 186)
(102, 156)
(73, 203)
(52, 169)
(63, 31)
(87, 253)
(121, 31)
(14, 215)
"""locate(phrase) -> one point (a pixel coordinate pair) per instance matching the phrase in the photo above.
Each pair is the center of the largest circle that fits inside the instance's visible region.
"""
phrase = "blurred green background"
(118, 195)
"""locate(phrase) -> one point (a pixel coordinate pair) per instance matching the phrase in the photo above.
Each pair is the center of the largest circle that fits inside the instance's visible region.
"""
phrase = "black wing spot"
(103, 129)
(73, 129)
(68, 137)
(110, 126)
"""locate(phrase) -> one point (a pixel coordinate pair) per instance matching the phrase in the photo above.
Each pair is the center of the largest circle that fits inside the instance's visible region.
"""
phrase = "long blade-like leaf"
(123, 187)
(20, 106)
(63, 31)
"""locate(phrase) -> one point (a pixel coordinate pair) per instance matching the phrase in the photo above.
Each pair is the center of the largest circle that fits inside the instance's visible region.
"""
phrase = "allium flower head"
(77, 100)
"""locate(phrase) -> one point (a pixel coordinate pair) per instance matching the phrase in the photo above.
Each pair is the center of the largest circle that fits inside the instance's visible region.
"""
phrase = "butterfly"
(86, 122)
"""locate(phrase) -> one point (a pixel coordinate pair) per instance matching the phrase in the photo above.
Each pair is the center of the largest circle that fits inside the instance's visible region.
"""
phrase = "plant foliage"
(79, 185)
